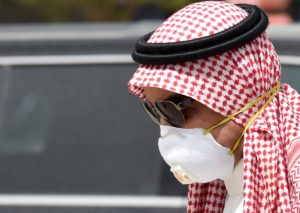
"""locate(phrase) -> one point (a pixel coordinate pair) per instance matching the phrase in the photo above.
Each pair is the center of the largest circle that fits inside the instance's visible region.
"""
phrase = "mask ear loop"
(272, 91)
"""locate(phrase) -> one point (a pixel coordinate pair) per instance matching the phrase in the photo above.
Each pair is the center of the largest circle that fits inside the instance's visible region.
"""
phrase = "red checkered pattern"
(226, 83)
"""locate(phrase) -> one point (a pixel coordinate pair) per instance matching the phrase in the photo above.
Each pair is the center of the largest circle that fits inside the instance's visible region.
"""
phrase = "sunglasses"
(171, 111)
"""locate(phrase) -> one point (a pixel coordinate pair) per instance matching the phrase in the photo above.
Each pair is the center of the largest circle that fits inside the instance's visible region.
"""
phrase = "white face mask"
(193, 156)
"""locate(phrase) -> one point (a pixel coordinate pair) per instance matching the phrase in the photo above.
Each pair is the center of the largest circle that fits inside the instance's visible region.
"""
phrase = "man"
(210, 77)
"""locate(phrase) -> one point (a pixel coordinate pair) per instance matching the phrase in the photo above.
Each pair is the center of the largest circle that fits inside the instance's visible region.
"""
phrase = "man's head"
(221, 84)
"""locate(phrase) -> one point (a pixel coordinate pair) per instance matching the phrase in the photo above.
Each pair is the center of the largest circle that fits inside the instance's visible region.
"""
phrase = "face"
(198, 115)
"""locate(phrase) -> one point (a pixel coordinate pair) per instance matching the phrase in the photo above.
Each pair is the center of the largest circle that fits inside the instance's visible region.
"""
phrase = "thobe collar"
(234, 185)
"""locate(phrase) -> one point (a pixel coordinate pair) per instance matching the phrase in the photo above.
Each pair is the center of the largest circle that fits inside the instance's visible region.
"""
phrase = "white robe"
(234, 187)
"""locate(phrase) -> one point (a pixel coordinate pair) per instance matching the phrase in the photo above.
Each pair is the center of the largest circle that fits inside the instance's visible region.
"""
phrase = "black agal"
(177, 52)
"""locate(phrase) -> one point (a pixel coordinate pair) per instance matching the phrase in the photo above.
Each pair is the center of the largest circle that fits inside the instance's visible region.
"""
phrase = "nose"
(164, 122)
(164, 130)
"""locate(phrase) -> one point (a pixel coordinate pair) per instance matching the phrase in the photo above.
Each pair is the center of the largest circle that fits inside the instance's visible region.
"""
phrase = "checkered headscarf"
(226, 83)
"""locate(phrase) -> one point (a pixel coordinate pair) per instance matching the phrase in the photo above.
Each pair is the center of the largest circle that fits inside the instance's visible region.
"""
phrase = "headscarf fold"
(225, 83)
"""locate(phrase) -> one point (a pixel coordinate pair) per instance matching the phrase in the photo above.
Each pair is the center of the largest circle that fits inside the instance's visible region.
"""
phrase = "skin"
(200, 116)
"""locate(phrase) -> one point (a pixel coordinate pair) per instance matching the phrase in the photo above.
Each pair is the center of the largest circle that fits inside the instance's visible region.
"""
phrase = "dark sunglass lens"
(153, 115)
(171, 113)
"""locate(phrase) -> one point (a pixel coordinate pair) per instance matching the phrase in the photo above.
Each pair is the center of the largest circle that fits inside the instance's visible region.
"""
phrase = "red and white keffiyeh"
(226, 83)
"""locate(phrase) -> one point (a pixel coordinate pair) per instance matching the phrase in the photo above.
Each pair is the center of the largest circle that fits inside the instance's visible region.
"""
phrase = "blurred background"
(47, 11)
(72, 138)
